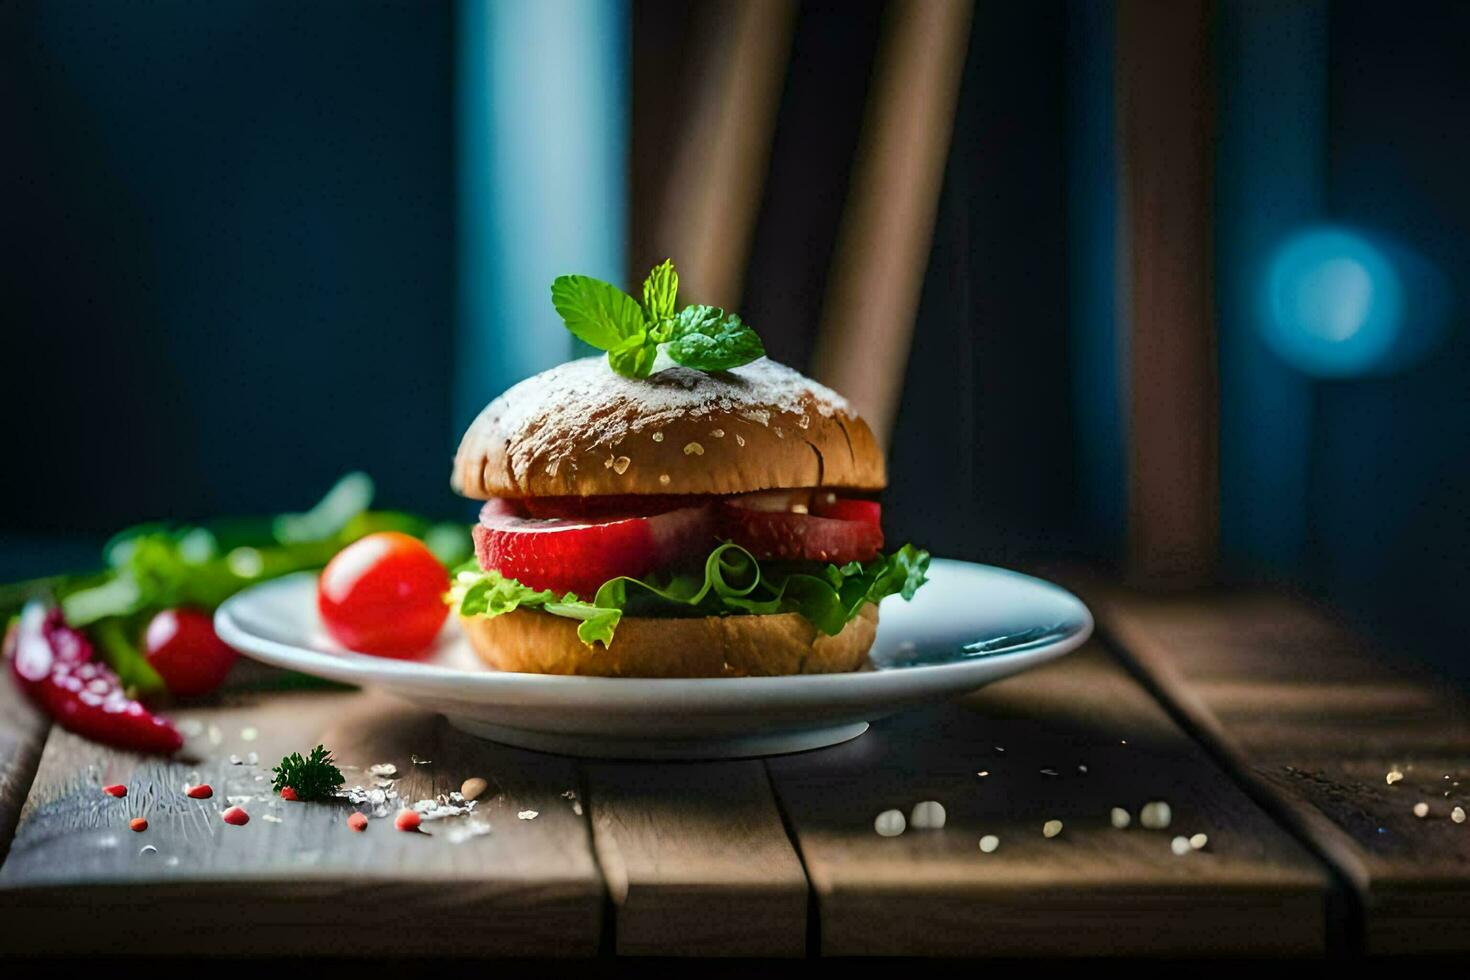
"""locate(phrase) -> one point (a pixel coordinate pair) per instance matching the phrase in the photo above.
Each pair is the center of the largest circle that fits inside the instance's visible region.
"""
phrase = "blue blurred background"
(251, 246)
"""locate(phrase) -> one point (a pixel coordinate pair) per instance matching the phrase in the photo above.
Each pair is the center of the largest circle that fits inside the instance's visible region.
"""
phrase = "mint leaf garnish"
(597, 312)
(709, 339)
(705, 338)
(634, 358)
(660, 290)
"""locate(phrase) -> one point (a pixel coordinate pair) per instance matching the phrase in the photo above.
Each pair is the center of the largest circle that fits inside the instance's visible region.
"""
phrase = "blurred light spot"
(1335, 304)
(245, 562)
(1334, 299)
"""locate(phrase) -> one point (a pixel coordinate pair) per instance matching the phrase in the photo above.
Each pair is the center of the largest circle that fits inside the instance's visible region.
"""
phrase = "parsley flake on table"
(312, 778)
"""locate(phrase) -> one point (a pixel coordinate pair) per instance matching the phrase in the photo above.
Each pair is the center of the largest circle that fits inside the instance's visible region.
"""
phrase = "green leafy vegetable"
(351, 495)
(709, 339)
(597, 312)
(702, 337)
(315, 777)
(122, 653)
(732, 583)
(478, 593)
(157, 566)
(635, 358)
(660, 290)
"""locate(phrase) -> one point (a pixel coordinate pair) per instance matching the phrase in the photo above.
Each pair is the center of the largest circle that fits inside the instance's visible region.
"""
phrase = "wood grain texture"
(1091, 890)
(1165, 153)
(696, 860)
(887, 228)
(296, 879)
(712, 190)
(1315, 718)
(22, 734)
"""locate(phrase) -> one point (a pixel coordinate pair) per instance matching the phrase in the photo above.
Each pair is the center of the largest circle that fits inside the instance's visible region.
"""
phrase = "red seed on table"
(287, 793)
(201, 792)
(236, 815)
(117, 789)
(138, 824)
(407, 820)
(357, 822)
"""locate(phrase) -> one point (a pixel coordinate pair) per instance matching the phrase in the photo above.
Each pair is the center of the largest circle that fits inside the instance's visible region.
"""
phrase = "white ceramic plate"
(970, 625)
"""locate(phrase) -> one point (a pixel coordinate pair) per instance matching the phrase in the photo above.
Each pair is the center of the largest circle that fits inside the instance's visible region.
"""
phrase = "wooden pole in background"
(1165, 153)
(707, 215)
(887, 229)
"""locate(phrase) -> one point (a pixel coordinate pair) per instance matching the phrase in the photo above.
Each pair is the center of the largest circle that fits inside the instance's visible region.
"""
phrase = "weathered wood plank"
(1091, 890)
(1164, 155)
(22, 733)
(296, 879)
(1316, 719)
(696, 860)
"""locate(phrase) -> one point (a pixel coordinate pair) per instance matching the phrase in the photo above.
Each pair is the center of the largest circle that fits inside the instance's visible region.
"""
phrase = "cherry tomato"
(384, 594)
(182, 646)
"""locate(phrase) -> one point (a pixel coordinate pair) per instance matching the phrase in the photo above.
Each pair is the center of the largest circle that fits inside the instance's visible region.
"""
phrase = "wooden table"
(1262, 724)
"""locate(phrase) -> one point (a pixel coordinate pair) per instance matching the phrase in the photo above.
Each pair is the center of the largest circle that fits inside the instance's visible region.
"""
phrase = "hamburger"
(684, 507)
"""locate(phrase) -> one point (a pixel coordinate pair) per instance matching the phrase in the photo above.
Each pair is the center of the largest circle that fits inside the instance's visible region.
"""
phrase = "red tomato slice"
(604, 508)
(789, 535)
(848, 509)
(579, 554)
(384, 594)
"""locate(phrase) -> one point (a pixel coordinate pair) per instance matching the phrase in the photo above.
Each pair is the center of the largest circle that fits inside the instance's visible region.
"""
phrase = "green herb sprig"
(312, 778)
(159, 566)
(705, 338)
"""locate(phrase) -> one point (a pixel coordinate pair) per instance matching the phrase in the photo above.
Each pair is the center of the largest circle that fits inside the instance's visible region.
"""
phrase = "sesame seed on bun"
(581, 430)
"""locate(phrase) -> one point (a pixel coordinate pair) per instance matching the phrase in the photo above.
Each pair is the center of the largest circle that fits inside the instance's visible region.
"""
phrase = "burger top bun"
(582, 430)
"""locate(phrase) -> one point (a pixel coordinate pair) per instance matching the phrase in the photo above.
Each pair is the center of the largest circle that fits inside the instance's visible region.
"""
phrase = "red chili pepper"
(53, 664)
(357, 822)
(407, 820)
(201, 792)
(236, 815)
(287, 793)
(116, 789)
(138, 825)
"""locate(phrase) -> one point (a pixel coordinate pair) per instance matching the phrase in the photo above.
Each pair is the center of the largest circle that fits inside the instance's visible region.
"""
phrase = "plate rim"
(431, 679)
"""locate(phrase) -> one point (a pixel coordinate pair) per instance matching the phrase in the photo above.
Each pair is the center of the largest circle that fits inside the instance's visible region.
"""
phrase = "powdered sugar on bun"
(558, 399)
(582, 429)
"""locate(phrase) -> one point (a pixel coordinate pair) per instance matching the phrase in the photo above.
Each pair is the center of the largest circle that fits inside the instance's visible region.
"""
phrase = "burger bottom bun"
(711, 646)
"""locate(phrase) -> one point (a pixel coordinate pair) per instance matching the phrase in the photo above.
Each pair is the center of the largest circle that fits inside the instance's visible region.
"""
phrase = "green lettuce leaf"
(733, 583)
(473, 592)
